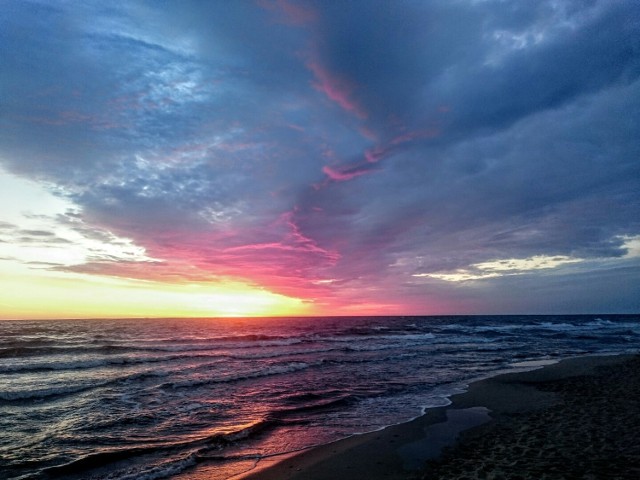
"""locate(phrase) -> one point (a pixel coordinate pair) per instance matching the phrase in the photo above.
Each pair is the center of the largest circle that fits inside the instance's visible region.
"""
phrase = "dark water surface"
(150, 399)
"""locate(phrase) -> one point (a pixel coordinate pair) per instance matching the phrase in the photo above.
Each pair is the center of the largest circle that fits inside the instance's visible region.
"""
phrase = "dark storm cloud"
(338, 148)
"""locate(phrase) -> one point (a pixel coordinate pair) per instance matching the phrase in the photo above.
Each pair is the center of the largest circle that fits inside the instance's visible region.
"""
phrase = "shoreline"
(402, 451)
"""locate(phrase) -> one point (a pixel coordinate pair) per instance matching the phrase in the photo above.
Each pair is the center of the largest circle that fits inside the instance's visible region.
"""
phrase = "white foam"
(43, 392)
(271, 370)
(162, 470)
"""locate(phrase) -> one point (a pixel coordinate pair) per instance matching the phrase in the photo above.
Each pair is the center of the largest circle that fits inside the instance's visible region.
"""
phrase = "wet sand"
(579, 418)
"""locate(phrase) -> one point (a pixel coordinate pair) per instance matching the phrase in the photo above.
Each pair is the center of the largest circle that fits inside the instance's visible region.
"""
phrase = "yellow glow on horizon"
(34, 241)
(28, 294)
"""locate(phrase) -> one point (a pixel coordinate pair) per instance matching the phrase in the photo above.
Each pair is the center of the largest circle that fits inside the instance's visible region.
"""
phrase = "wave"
(212, 346)
(28, 351)
(87, 463)
(269, 371)
(189, 452)
(163, 470)
(229, 343)
(364, 337)
(320, 404)
(564, 327)
(251, 337)
(44, 393)
(11, 341)
(32, 351)
(459, 340)
(279, 354)
(376, 348)
(99, 362)
(105, 355)
(58, 391)
(87, 364)
(43, 366)
(18, 341)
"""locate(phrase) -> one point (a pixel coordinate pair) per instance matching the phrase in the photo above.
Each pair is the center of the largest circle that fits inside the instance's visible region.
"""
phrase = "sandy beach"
(579, 418)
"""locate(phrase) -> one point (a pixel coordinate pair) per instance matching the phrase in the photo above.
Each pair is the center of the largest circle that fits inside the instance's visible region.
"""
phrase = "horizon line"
(266, 317)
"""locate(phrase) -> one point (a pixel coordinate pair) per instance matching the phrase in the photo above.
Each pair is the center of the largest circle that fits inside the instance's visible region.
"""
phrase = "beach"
(578, 418)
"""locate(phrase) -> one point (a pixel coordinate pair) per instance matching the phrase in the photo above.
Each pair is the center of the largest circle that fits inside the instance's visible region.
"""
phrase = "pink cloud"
(336, 88)
(259, 246)
(304, 241)
(284, 260)
(283, 257)
(367, 133)
(415, 135)
(375, 154)
(344, 175)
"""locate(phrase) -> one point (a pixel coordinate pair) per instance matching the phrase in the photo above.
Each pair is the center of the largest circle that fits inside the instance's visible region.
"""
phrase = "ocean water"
(150, 399)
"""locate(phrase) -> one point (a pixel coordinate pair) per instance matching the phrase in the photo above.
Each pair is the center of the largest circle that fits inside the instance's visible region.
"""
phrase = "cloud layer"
(359, 154)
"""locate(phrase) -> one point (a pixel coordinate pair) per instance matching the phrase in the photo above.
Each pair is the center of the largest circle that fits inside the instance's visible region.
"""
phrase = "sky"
(280, 157)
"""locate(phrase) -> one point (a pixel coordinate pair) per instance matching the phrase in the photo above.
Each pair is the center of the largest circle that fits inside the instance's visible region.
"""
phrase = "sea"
(150, 399)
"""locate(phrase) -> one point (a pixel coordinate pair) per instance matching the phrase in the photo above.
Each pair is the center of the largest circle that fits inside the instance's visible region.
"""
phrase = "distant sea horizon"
(318, 316)
(151, 398)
